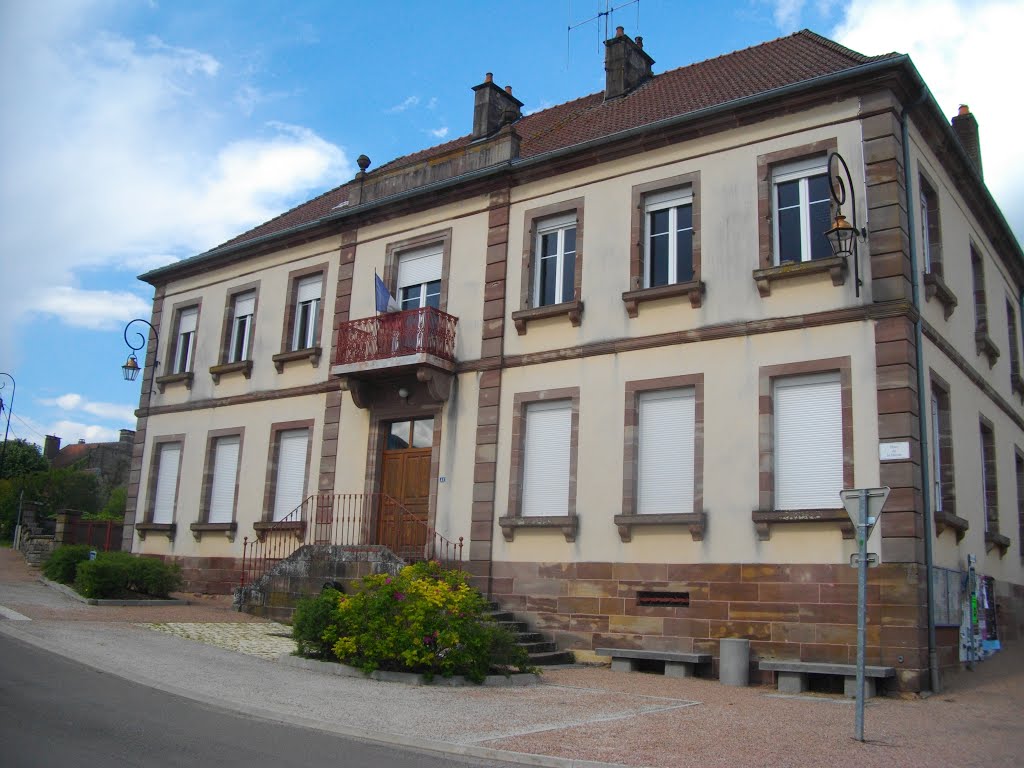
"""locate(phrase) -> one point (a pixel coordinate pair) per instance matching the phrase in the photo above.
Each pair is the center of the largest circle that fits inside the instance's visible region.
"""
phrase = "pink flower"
(399, 596)
(387, 580)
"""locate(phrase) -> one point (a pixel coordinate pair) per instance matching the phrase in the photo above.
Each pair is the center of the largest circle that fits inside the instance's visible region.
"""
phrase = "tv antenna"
(601, 15)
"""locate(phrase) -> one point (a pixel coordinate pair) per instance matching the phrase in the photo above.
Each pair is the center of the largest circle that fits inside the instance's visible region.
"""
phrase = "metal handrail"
(396, 334)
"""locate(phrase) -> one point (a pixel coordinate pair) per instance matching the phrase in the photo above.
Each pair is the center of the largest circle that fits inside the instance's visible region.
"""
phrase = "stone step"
(514, 626)
(551, 658)
(501, 616)
(540, 646)
(527, 637)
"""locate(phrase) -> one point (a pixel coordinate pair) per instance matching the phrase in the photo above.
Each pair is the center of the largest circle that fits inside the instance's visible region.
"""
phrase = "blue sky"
(137, 133)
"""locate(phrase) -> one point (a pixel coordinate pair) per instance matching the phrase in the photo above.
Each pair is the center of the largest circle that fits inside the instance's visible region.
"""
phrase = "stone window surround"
(935, 286)
(693, 519)
(170, 376)
(1018, 465)
(270, 484)
(287, 354)
(990, 497)
(514, 518)
(395, 249)
(767, 270)
(766, 515)
(224, 366)
(693, 289)
(983, 343)
(571, 309)
(947, 517)
(203, 524)
(1013, 342)
(147, 525)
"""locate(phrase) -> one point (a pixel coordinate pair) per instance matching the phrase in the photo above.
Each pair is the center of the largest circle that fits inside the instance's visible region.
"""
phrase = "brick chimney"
(965, 126)
(626, 66)
(127, 436)
(493, 107)
(51, 447)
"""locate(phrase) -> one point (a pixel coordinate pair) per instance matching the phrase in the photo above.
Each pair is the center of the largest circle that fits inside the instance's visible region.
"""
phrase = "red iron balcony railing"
(426, 331)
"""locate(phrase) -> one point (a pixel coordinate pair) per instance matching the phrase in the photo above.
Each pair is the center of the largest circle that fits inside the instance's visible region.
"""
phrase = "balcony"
(406, 349)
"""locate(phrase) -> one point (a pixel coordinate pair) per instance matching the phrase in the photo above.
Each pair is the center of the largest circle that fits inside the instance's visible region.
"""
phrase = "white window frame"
(547, 465)
(802, 171)
(185, 339)
(308, 304)
(226, 458)
(672, 200)
(559, 225)
(794, 459)
(926, 243)
(284, 496)
(238, 349)
(666, 471)
(418, 269)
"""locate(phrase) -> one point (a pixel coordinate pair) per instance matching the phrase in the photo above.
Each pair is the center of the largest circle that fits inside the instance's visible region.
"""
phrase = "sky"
(137, 133)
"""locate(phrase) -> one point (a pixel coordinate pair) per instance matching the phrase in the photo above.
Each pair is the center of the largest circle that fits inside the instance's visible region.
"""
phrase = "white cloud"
(97, 310)
(432, 104)
(786, 13)
(118, 153)
(72, 431)
(438, 133)
(410, 102)
(75, 402)
(966, 51)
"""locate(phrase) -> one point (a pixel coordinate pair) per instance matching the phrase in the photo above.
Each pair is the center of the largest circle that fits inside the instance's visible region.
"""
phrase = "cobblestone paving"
(267, 641)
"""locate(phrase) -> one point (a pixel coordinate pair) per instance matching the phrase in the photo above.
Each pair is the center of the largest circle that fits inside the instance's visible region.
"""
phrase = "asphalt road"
(55, 712)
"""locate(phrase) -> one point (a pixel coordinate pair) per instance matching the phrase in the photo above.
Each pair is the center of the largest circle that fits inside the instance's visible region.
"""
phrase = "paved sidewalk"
(577, 716)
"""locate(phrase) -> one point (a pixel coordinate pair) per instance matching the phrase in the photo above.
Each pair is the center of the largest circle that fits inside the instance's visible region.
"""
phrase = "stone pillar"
(734, 661)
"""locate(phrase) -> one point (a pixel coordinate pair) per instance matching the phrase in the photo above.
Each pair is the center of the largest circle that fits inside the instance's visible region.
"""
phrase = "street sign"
(872, 558)
(876, 500)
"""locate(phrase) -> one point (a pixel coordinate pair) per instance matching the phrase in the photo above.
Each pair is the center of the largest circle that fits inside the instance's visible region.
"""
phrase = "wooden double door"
(403, 517)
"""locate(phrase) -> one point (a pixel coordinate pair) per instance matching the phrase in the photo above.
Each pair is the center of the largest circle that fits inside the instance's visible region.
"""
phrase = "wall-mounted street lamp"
(843, 236)
(10, 407)
(131, 367)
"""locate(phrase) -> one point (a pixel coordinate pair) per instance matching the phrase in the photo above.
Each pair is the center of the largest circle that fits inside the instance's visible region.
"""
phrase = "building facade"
(625, 369)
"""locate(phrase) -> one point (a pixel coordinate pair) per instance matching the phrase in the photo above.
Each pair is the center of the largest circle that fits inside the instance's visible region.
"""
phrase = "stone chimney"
(127, 436)
(626, 66)
(493, 108)
(51, 447)
(966, 129)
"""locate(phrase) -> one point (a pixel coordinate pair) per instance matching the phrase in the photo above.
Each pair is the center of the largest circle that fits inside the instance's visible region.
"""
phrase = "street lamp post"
(131, 367)
(10, 407)
(843, 235)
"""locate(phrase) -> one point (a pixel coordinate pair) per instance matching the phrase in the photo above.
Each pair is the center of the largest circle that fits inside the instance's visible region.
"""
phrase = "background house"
(627, 372)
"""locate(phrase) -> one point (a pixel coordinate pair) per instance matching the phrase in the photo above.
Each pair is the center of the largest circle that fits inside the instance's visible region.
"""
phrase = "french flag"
(385, 301)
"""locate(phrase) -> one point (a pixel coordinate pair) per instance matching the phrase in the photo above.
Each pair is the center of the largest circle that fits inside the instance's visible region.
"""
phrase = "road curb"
(406, 678)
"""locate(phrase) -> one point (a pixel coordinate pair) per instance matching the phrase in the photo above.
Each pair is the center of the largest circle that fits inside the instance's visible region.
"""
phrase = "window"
(808, 442)
(1018, 466)
(801, 210)
(291, 458)
(419, 278)
(1013, 339)
(224, 481)
(185, 340)
(668, 238)
(546, 461)
(165, 490)
(410, 434)
(242, 311)
(307, 312)
(943, 490)
(931, 244)
(989, 487)
(555, 267)
(665, 452)
(982, 341)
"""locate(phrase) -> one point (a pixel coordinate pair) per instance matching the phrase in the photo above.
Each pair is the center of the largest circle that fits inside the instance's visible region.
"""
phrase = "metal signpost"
(864, 506)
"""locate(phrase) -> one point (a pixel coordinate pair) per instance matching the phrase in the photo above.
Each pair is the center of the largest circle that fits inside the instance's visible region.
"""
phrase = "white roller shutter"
(808, 442)
(665, 452)
(187, 320)
(225, 473)
(308, 289)
(420, 266)
(166, 483)
(245, 304)
(291, 471)
(546, 468)
(668, 199)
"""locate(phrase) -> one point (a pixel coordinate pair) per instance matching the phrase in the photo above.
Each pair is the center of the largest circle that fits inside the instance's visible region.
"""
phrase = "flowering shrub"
(426, 620)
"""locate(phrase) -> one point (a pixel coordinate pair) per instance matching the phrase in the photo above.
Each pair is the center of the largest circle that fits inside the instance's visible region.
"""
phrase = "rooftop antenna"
(601, 15)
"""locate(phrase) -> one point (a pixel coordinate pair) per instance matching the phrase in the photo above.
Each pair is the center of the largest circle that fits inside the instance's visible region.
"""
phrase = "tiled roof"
(748, 72)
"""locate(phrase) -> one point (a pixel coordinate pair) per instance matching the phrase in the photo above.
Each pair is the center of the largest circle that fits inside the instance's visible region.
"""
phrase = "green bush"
(119, 574)
(63, 561)
(426, 620)
(314, 624)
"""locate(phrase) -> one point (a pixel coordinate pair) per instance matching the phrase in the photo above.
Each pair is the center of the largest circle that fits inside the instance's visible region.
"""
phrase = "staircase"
(542, 652)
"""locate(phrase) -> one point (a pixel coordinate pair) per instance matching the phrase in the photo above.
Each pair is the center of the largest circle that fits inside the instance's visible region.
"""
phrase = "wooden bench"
(677, 664)
(792, 675)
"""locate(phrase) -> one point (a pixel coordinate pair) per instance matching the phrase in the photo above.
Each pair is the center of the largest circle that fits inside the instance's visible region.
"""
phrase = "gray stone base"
(623, 665)
(676, 669)
(792, 682)
(850, 687)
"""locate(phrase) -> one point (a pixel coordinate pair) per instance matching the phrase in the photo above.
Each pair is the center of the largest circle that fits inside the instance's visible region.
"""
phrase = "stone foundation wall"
(207, 575)
(1010, 610)
(804, 612)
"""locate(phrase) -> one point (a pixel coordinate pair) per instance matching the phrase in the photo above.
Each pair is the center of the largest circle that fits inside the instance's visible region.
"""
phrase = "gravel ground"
(577, 714)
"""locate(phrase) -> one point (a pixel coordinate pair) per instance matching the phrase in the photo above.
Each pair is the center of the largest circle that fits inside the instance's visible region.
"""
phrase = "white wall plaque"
(894, 451)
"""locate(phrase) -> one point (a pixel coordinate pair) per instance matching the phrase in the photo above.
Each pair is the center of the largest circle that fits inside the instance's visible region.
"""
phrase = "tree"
(116, 502)
(20, 457)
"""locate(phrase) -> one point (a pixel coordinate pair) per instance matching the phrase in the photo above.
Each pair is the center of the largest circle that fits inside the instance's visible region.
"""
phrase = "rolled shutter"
(291, 471)
(808, 442)
(309, 289)
(420, 266)
(246, 304)
(665, 452)
(187, 320)
(166, 483)
(225, 473)
(546, 468)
